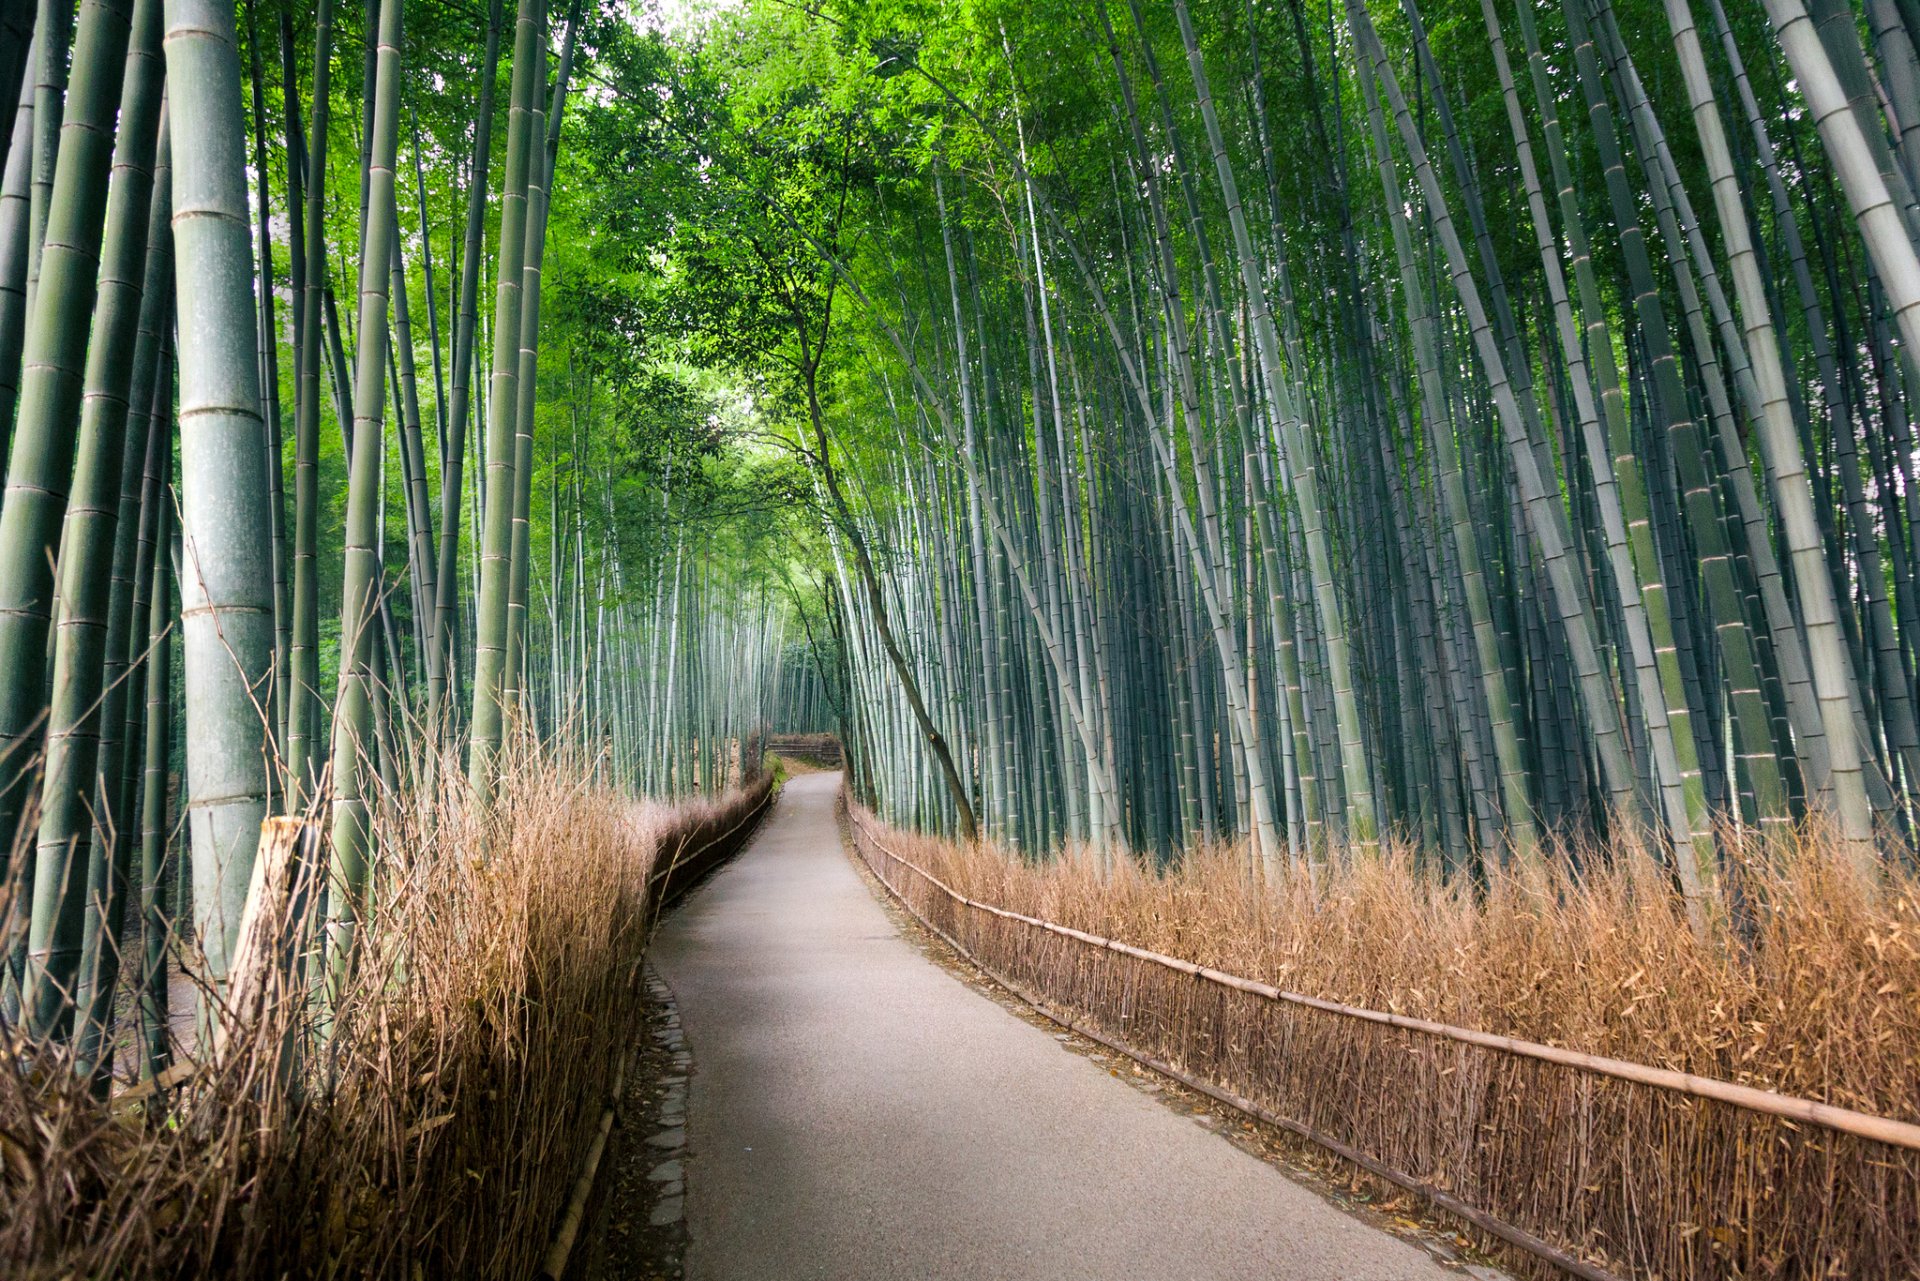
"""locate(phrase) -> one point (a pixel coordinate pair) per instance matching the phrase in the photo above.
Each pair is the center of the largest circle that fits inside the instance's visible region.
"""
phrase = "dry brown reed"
(433, 1125)
(1814, 991)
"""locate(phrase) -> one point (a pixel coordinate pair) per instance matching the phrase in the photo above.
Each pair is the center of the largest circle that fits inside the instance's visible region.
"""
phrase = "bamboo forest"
(937, 639)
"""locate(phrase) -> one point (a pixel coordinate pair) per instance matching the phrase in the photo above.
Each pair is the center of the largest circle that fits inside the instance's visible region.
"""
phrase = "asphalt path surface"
(857, 1112)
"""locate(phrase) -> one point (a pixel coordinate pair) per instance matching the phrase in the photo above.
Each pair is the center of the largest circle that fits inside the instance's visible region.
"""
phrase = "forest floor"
(855, 1109)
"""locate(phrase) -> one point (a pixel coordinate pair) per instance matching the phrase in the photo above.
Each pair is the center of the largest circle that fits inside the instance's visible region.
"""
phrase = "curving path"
(856, 1112)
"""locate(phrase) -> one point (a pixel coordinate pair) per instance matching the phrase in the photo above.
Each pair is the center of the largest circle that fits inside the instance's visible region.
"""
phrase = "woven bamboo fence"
(1594, 1167)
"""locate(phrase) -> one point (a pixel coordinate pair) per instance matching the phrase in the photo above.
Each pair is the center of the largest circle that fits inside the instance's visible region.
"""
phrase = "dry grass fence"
(437, 1129)
(1817, 998)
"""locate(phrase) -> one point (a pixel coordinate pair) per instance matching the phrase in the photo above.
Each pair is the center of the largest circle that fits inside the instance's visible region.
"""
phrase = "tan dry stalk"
(440, 1129)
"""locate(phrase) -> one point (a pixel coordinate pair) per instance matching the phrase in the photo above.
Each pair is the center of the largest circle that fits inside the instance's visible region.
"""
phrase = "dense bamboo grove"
(1477, 429)
(335, 454)
(1128, 425)
(1486, 424)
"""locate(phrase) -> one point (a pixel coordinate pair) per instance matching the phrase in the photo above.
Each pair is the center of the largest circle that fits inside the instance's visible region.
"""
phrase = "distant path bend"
(856, 1113)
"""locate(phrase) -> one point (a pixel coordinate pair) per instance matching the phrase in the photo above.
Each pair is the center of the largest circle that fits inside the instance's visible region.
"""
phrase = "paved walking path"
(855, 1112)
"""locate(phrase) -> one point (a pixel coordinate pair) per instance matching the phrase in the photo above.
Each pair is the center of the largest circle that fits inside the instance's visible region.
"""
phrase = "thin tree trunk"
(303, 683)
(490, 654)
(78, 849)
(354, 728)
(41, 466)
(446, 576)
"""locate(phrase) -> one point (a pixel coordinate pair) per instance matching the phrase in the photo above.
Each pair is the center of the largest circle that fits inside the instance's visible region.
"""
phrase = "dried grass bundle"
(432, 1124)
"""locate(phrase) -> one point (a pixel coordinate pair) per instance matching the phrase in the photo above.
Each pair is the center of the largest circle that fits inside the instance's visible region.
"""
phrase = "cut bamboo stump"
(273, 927)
